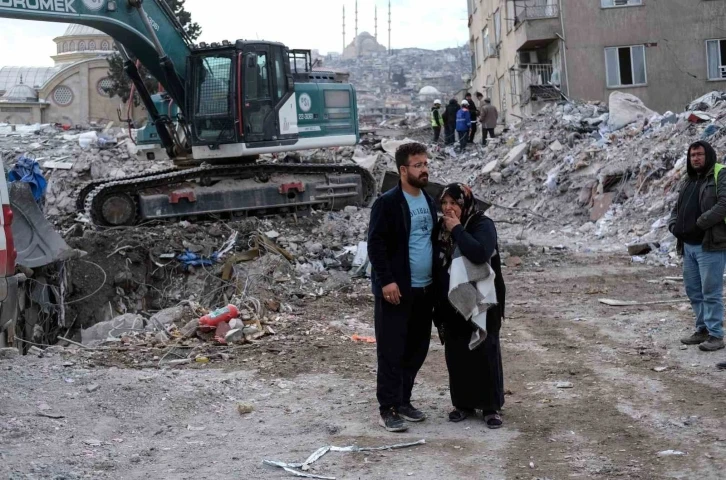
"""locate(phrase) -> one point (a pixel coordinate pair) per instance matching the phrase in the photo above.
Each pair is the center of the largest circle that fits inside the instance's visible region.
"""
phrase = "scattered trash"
(28, 171)
(299, 468)
(634, 303)
(670, 453)
(220, 315)
(661, 369)
(564, 385)
(245, 408)
(359, 338)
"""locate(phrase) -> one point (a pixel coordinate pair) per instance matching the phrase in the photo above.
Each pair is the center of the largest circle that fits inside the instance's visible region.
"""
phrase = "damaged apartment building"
(526, 53)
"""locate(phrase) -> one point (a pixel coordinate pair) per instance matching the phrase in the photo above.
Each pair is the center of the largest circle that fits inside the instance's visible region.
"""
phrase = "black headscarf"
(464, 197)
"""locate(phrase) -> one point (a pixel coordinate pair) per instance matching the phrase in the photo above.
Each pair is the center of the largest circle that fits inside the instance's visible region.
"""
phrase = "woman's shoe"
(493, 420)
(457, 415)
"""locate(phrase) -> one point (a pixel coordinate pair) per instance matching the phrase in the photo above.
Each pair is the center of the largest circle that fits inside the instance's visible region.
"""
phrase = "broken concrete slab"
(601, 204)
(556, 146)
(489, 167)
(515, 154)
(111, 329)
(625, 109)
(642, 248)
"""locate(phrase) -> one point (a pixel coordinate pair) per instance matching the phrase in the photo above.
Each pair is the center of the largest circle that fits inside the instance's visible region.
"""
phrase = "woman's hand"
(450, 221)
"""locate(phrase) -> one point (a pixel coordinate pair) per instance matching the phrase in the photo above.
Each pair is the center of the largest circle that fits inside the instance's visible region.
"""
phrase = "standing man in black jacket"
(697, 221)
(450, 122)
(401, 252)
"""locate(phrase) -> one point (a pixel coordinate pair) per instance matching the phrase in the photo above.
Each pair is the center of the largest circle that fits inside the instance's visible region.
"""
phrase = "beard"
(419, 182)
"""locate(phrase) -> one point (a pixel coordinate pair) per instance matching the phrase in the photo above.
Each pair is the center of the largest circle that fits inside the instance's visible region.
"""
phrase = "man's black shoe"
(721, 366)
(392, 421)
(408, 412)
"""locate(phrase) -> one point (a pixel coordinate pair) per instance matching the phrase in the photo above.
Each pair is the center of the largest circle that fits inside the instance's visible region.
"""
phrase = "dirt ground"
(310, 386)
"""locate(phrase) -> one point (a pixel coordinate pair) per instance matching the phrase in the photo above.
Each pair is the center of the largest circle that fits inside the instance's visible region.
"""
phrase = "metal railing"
(537, 82)
(535, 10)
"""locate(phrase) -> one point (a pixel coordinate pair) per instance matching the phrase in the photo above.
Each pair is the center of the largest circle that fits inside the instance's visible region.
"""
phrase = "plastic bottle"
(220, 315)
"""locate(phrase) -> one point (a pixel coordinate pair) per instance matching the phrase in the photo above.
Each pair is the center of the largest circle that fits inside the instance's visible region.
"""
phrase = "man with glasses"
(401, 254)
(697, 221)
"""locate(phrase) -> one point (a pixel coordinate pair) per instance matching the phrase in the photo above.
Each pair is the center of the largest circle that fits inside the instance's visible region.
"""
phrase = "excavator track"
(125, 191)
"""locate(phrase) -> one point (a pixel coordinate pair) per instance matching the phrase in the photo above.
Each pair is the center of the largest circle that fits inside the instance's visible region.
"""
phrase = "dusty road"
(312, 387)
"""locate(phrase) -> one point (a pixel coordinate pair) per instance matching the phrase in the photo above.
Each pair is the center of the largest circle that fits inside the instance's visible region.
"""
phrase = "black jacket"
(473, 110)
(477, 243)
(450, 113)
(388, 234)
(712, 203)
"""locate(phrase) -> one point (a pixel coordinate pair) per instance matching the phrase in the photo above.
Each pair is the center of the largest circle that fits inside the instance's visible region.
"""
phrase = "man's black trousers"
(403, 334)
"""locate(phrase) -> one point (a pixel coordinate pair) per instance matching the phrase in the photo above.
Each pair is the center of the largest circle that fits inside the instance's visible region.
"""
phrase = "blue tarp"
(190, 259)
(27, 170)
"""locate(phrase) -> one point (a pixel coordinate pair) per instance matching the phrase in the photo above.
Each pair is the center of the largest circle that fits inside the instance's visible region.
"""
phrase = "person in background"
(476, 378)
(463, 124)
(450, 121)
(400, 249)
(437, 121)
(697, 221)
(488, 117)
(474, 112)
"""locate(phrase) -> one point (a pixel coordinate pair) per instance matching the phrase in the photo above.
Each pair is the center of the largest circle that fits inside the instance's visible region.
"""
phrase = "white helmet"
(464, 103)
(437, 102)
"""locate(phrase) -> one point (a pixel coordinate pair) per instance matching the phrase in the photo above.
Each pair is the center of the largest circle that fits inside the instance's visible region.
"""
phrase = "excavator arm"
(125, 21)
(147, 29)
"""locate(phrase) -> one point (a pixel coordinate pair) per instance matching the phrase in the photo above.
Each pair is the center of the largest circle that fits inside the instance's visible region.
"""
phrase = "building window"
(65, 47)
(91, 45)
(625, 66)
(72, 47)
(716, 55)
(485, 42)
(81, 46)
(502, 96)
(471, 6)
(105, 46)
(62, 95)
(497, 27)
(620, 3)
(103, 85)
(510, 15)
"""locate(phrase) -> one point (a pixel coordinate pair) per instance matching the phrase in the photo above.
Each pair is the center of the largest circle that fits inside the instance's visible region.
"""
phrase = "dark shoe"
(493, 420)
(408, 412)
(392, 421)
(697, 338)
(460, 415)
(711, 344)
(721, 366)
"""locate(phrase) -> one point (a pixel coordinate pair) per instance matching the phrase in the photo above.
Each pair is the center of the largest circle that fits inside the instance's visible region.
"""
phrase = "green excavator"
(223, 104)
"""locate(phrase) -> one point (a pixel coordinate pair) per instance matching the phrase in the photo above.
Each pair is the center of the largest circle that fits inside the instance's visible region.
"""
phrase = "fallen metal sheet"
(295, 468)
(634, 303)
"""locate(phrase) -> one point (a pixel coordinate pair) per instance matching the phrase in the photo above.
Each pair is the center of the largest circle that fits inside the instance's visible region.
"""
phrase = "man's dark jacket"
(473, 110)
(712, 204)
(388, 236)
(450, 113)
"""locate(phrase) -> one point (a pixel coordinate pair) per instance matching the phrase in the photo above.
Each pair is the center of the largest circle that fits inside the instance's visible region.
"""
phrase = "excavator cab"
(242, 93)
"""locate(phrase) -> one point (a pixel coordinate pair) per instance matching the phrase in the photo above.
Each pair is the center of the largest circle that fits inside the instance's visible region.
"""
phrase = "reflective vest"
(440, 122)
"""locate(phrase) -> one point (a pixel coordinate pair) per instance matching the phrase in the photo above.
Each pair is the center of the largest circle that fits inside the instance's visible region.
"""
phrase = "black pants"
(484, 132)
(437, 134)
(403, 334)
(472, 133)
(463, 138)
(449, 137)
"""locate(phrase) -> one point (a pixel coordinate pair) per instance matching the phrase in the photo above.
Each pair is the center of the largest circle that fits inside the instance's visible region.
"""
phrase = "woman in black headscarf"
(475, 376)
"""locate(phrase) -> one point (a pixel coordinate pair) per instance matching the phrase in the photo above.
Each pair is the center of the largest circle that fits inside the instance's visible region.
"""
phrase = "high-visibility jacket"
(436, 118)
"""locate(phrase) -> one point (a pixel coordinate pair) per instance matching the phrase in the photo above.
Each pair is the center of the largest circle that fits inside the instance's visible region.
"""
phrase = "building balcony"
(536, 82)
(536, 23)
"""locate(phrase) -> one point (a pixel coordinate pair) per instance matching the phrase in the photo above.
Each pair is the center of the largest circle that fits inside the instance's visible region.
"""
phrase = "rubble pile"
(585, 173)
(71, 158)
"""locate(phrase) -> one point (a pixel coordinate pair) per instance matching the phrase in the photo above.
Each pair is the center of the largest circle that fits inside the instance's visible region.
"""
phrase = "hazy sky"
(296, 23)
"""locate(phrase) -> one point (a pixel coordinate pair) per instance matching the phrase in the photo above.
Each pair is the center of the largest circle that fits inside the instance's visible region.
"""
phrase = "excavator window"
(213, 120)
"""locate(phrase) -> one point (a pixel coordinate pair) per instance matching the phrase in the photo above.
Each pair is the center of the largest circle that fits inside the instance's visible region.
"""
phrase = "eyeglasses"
(419, 165)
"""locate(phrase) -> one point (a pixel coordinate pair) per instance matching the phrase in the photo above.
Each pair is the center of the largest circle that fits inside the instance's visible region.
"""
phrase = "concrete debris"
(625, 109)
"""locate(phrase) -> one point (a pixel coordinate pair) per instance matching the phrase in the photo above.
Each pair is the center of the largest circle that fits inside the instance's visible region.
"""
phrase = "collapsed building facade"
(524, 52)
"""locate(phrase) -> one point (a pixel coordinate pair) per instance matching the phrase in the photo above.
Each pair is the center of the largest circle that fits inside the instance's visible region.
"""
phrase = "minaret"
(375, 23)
(341, 52)
(356, 18)
(389, 27)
